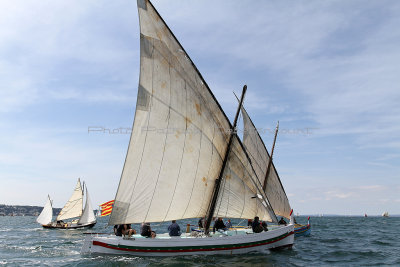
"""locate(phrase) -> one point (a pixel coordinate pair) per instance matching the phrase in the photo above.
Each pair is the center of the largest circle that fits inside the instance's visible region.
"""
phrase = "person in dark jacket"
(200, 223)
(264, 226)
(256, 226)
(145, 230)
(118, 230)
(219, 224)
(174, 229)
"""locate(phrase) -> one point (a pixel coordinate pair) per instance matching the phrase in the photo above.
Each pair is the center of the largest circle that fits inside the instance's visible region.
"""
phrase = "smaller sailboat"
(365, 215)
(385, 214)
(73, 209)
(46, 215)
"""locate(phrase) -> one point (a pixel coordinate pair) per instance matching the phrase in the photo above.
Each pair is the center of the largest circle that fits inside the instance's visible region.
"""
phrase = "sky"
(328, 71)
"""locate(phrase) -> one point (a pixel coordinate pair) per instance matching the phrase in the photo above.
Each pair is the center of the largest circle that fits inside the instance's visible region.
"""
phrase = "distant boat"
(302, 230)
(73, 209)
(385, 214)
(365, 215)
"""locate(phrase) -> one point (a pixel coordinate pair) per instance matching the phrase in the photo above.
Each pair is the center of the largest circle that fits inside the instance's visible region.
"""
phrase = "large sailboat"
(73, 209)
(185, 160)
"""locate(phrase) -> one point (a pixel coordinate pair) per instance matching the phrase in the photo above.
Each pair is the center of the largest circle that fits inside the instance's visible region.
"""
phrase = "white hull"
(177, 246)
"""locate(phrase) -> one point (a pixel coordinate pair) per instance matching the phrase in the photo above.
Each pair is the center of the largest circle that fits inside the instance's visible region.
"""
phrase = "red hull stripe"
(193, 248)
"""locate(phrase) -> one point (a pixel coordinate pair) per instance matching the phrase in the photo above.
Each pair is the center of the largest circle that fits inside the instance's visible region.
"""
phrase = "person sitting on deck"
(174, 229)
(249, 223)
(127, 230)
(256, 226)
(145, 230)
(228, 224)
(264, 226)
(153, 234)
(219, 224)
(282, 221)
(200, 223)
(118, 230)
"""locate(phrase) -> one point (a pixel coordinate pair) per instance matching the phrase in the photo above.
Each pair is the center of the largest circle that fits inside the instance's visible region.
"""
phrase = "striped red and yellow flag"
(106, 208)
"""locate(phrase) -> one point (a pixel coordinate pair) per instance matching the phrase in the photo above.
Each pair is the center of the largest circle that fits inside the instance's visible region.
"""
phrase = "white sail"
(179, 136)
(88, 214)
(260, 158)
(46, 215)
(241, 193)
(73, 208)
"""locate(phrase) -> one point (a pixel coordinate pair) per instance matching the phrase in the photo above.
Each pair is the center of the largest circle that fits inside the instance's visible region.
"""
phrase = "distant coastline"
(15, 210)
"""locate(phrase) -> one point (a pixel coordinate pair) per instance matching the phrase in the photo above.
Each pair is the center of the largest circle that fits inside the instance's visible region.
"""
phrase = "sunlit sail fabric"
(46, 215)
(239, 193)
(88, 214)
(73, 208)
(259, 157)
(179, 136)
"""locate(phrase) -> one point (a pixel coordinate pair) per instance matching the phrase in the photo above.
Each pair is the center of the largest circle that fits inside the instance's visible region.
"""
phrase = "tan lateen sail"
(260, 159)
(179, 137)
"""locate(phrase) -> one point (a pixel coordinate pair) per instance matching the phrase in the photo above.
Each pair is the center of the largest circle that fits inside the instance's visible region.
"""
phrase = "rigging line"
(165, 142)
(145, 138)
(180, 165)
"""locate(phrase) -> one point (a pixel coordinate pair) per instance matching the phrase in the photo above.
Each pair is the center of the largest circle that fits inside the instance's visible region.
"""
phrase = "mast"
(217, 185)
(270, 158)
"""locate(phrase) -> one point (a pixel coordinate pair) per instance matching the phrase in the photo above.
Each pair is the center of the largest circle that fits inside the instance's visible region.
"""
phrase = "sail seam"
(165, 142)
(208, 173)
(197, 168)
(180, 165)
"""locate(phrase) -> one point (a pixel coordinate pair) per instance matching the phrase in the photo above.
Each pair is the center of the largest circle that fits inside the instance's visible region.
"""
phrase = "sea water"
(334, 241)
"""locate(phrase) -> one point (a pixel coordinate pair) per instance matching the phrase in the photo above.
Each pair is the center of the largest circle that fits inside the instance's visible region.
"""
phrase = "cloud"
(58, 50)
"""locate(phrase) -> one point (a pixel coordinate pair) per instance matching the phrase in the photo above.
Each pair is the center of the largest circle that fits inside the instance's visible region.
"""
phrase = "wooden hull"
(69, 226)
(302, 230)
(238, 243)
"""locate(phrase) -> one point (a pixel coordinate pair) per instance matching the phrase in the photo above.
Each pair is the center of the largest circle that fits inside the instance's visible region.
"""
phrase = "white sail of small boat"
(385, 214)
(73, 209)
(184, 160)
(88, 214)
(46, 215)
